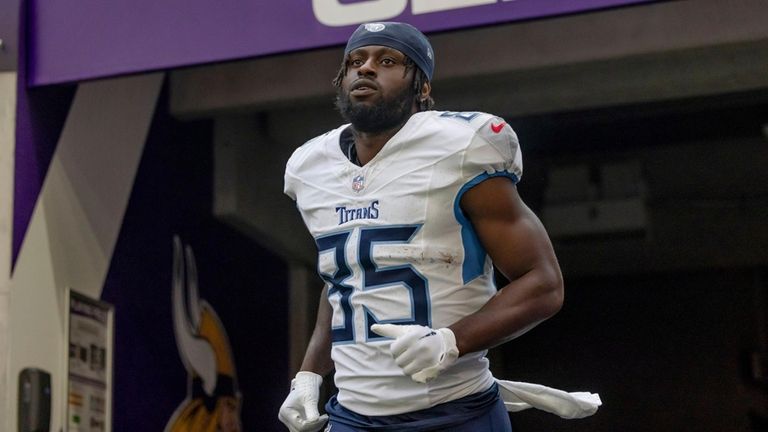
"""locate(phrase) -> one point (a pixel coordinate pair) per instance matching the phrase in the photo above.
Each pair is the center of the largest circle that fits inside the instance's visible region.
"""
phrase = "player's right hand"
(299, 411)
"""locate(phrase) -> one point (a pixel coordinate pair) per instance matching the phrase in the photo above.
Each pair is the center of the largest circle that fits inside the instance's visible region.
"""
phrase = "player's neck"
(369, 144)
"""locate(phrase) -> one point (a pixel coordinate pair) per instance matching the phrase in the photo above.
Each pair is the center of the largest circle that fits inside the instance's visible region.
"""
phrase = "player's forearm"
(317, 357)
(515, 309)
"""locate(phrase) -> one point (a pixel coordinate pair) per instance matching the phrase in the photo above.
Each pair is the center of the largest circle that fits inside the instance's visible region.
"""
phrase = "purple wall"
(40, 116)
(82, 39)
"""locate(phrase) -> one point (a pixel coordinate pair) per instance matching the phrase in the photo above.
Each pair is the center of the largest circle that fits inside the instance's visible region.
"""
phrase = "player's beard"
(386, 115)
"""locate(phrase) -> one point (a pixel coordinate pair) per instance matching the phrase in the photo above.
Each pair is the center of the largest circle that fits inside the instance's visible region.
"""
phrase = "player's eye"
(355, 62)
(388, 61)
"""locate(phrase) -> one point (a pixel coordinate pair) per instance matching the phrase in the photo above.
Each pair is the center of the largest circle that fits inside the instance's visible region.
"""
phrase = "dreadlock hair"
(419, 78)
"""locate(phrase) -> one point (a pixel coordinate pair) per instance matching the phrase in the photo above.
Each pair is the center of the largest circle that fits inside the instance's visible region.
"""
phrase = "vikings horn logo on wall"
(213, 401)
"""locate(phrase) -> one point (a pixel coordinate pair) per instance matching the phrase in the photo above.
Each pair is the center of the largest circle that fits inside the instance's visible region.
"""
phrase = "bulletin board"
(89, 342)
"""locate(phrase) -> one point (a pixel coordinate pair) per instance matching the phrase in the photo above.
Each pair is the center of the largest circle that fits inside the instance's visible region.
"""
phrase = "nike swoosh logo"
(432, 333)
(497, 128)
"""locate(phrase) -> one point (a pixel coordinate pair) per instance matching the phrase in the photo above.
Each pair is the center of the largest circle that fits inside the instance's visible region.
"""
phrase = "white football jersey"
(395, 247)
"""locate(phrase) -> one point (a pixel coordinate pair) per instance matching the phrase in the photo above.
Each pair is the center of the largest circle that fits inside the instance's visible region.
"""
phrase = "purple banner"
(83, 39)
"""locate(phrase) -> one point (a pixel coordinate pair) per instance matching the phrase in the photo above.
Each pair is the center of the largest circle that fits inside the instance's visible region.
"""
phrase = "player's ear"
(426, 90)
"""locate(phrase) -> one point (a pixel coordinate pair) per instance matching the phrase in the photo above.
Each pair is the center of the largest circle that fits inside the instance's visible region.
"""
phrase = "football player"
(410, 209)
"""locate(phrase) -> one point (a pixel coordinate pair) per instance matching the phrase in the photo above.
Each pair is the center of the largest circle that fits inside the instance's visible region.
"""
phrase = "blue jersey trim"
(474, 252)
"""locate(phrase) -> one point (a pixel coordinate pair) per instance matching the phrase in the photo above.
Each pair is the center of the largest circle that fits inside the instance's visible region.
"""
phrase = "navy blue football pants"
(495, 420)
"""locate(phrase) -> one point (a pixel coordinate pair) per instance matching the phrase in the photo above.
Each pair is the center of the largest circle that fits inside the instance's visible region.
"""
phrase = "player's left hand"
(421, 352)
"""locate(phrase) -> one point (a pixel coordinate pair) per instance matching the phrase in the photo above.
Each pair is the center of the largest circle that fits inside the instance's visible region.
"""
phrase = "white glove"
(420, 351)
(299, 411)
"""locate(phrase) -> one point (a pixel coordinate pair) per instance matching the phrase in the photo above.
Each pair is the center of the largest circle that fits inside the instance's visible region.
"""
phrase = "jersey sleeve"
(289, 180)
(494, 151)
(302, 159)
(295, 165)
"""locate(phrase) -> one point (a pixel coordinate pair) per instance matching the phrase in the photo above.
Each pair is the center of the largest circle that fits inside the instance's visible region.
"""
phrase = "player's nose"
(368, 68)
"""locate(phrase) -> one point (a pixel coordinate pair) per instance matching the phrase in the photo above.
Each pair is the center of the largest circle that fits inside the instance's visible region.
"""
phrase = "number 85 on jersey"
(363, 292)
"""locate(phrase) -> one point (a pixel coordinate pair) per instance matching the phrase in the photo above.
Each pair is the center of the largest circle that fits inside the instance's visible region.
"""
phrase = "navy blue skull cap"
(401, 36)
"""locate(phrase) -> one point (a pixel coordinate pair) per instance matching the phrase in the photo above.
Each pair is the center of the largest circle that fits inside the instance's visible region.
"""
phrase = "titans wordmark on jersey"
(395, 247)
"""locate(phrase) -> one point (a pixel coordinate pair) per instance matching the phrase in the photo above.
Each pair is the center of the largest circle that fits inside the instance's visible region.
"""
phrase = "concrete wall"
(7, 123)
(75, 224)
(248, 194)
(649, 52)
(706, 208)
(248, 186)
(666, 352)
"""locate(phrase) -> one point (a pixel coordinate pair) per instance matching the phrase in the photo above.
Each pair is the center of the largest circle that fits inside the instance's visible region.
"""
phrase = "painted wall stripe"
(76, 221)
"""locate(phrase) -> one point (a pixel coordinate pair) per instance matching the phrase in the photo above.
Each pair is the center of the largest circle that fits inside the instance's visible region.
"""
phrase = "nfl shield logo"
(358, 183)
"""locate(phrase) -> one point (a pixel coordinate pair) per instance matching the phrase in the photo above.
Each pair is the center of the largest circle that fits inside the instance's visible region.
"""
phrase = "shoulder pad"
(498, 133)
(471, 118)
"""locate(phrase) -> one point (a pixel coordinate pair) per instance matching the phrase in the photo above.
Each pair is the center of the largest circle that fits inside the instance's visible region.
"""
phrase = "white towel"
(519, 396)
